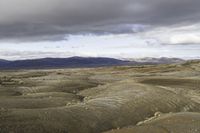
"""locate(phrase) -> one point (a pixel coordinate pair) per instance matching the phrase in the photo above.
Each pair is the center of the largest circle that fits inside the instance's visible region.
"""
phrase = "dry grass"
(98, 99)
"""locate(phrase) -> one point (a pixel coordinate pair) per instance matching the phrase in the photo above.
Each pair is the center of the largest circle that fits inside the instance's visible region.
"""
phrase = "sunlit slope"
(97, 100)
(166, 123)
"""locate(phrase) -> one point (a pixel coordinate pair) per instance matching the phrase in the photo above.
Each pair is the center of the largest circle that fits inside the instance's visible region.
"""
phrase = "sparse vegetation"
(96, 100)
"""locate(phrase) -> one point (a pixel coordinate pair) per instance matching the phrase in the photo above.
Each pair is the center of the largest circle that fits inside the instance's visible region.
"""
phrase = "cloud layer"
(39, 20)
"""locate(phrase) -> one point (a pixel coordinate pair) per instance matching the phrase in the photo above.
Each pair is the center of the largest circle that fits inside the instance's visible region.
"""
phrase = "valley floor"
(124, 99)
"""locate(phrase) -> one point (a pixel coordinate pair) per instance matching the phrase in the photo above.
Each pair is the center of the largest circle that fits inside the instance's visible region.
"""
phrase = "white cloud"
(187, 38)
(189, 34)
(158, 42)
(116, 46)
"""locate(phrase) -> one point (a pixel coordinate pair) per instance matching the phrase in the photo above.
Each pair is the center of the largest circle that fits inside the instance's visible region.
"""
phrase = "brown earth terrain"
(124, 99)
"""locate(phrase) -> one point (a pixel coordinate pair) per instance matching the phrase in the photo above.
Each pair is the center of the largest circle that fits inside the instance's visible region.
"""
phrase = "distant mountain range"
(162, 60)
(81, 62)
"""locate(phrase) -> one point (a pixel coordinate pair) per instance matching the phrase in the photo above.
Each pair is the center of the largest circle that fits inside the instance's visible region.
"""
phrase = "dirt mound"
(101, 99)
(105, 107)
(168, 123)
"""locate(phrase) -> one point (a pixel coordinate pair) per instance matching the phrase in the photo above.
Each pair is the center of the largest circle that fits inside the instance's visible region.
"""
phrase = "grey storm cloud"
(54, 19)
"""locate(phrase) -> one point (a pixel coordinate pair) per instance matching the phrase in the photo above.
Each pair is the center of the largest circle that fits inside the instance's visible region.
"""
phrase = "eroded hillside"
(97, 100)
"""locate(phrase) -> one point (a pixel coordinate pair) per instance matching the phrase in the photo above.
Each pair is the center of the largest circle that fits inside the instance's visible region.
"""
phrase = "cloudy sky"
(108, 28)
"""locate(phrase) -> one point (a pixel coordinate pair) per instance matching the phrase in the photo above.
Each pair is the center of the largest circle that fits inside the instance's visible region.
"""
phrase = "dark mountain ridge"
(78, 62)
(72, 62)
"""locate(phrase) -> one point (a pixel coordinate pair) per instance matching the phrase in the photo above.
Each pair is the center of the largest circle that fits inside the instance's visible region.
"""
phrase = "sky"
(99, 28)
